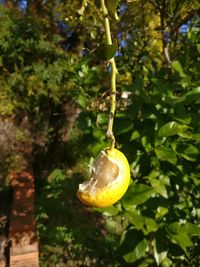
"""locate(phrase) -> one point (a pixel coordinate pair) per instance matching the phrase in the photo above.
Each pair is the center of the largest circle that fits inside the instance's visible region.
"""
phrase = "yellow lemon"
(109, 180)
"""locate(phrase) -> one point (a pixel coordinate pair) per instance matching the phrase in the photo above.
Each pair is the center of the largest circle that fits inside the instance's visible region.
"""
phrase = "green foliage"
(158, 129)
(157, 125)
(34, 67)
(111, 7)
(68, 232)
(106, 51)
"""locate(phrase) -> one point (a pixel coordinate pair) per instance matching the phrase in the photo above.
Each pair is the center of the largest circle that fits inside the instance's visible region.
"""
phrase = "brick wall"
(22, 230)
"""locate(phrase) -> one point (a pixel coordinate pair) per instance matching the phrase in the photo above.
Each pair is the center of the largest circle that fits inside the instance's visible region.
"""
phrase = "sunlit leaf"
(192, 96)
(159, 253)
(172, 128)
(187, 228)
(56, 175)
(82, 101)
(183, 118)
(191, 229)
(137, 253)
(153, 174)
(140, 222)
(111, 6)
(177, 67)
(159, 187)
(161, 212)
(146, 144)
(195, 137)
(135, 135)
(135, 218)
(137, 194)
(150, 225)
(188, 151)
(182, 240)
(110, 210)
(181, 232)
(165, 153)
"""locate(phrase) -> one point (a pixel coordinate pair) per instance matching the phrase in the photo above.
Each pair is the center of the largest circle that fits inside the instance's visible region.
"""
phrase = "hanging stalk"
(113, 68)
(113, 77)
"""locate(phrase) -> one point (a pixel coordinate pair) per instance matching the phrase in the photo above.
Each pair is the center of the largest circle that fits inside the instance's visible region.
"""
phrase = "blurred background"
(54, 104)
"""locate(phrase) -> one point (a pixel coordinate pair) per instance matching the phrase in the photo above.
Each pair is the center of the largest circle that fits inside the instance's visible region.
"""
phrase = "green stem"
(82, 9)
(113, 77)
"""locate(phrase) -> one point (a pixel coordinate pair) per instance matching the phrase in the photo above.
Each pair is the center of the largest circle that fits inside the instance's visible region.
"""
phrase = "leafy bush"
(156, 126)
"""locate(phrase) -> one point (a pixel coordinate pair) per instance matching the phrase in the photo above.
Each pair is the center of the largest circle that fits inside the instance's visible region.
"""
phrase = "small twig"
(167, 56)
(82, 9)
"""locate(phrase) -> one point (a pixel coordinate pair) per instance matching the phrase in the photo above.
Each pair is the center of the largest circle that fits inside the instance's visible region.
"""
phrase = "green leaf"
(182, 240)
(110, 210)
(188, 151)
(191, 229)
(153, 174)
(146, 144)
(195, 137)
(135, 218)
(146, 262)
(187, 228)
(107, 51)
(160, 247)
(137, 194)
(140, 222)
(183, 118)
(161, 212)
(111, 6)
(160, 257)
(177, 67)
(159, 187)
(192, 96)
(180, 233)
(122, 126)
(98, 134)
(135, 135)
(164, 153)
(97, 147)
(102, 118)
(56, 175)
(172, 128)
(137, 253)
(82, 101)
(150, 225)
(159, 254)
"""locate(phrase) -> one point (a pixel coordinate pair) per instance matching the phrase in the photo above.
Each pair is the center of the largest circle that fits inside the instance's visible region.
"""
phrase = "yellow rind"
(107, 196)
